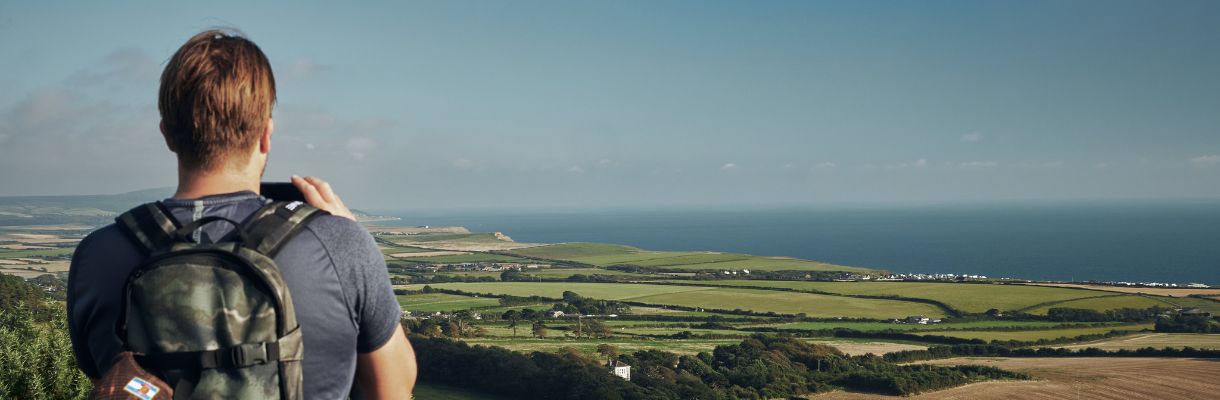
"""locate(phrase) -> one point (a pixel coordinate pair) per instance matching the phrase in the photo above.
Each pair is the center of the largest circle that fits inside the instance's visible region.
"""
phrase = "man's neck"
(197, 184)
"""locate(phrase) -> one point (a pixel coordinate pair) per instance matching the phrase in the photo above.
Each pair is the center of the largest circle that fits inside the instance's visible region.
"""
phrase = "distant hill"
(82, 209)
(93, 210)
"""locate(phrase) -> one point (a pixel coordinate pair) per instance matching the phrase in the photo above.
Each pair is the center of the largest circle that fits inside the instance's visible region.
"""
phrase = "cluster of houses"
(560, 314)
(917, 319)
(1155, 284)
(476, 266)
(735, 272)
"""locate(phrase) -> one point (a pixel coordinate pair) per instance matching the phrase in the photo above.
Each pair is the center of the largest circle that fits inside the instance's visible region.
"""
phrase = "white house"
(619, 369)
(555, 314)
(917, 319)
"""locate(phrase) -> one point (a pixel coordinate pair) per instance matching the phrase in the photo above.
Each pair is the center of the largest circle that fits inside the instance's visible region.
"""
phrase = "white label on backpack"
(142, 389)
(293, 205)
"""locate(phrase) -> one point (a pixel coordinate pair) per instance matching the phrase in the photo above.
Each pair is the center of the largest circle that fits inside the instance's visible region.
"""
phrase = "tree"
(512, 316)
(510, 275)
(608, 351)
(539, 330)
(597, 328)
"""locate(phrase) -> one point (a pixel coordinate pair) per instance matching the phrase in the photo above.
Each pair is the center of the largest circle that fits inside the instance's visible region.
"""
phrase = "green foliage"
(36, 359)
(1187, 324)
(1115, 315)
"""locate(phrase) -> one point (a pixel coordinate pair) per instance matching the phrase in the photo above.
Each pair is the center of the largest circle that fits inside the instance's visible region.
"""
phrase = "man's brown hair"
(216, 96)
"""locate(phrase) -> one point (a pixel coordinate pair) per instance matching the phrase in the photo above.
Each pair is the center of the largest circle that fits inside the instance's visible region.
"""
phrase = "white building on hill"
(619, 369)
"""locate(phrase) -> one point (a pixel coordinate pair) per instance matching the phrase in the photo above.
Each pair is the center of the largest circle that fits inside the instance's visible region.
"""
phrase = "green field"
(41, 253)
(602, 254)
(606, 291)
(467, 258)
(711, 297)
(1211, 306)
(1105, 303)
(1036, 334)
(424, 240)
(432, 302)
(440, 392)
(881, 326)
(966, 297)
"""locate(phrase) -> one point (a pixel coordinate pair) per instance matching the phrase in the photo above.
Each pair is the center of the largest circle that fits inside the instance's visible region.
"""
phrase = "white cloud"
(1039, 164)
(360, 147)
(920, 163)
(309, 146)
(463, 164)
(728, 167)
(576, 169)
(304, 68)
(972, 137)
(605, 163)
(826, 165)
(1210, 159)
(974, 164)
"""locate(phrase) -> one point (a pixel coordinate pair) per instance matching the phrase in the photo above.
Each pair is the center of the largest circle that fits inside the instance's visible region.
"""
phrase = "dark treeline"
(1117, 315)
(1188, 323)
(1007, 350)
(757, 368)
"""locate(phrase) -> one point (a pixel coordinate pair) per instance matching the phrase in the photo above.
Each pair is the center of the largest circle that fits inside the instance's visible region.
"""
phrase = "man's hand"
(318, 194)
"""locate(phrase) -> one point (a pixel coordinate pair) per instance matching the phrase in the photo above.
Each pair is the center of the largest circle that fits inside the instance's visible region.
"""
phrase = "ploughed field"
(1154, 340)
(1082, 378)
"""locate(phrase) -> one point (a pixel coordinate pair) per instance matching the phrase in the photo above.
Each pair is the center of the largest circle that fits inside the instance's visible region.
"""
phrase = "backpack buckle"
(247, 355)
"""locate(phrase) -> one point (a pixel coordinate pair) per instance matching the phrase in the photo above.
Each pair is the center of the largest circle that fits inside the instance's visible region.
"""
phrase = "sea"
(1131, 241)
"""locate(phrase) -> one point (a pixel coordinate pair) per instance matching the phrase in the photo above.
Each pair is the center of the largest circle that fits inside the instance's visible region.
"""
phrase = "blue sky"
(591, 104)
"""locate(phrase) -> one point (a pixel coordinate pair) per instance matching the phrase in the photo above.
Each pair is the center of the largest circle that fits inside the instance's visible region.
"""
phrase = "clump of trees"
(576, 304)
(1116, 315)
(1187, 323)
(757, 368)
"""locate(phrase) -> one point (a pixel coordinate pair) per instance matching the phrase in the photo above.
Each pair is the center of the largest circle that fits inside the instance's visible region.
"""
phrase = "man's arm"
(388, 372)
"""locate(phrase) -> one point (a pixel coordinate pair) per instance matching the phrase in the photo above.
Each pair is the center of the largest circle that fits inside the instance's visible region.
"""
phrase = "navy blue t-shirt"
(333, 268)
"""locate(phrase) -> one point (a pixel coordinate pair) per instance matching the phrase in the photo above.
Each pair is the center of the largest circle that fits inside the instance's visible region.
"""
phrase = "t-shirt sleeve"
(366, 282)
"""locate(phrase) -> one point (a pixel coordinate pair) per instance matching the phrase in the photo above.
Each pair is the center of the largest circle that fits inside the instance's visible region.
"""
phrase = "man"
(216, 97)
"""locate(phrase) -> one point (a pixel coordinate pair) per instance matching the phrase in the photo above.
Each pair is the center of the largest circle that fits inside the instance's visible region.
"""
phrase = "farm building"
(619, 369)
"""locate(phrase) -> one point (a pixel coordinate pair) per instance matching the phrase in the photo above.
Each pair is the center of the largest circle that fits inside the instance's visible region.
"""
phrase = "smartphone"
(281, 191)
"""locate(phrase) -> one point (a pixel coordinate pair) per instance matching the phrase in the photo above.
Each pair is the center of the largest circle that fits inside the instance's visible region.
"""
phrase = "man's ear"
(264, 142)
(168, 141)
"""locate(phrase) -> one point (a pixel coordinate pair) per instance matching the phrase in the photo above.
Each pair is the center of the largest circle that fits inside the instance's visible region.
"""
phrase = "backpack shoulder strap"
(149, 225)
(269, 228)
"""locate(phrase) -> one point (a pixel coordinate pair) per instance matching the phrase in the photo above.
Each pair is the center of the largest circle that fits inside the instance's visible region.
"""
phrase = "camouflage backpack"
(215, 320)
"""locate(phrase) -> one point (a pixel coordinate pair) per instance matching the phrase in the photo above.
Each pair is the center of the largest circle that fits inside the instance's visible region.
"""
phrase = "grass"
(814, 305)
(880, 326)
(589, 346)
(1032, 335)
(1211, 306)
(1105, 303)
(424, 391)
(467, 258)
(966, 297)
(43, 253)
(606, 291)
(602, 254)
(432, 302)
(567, 251)
(1155, 340)
(709, 297)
